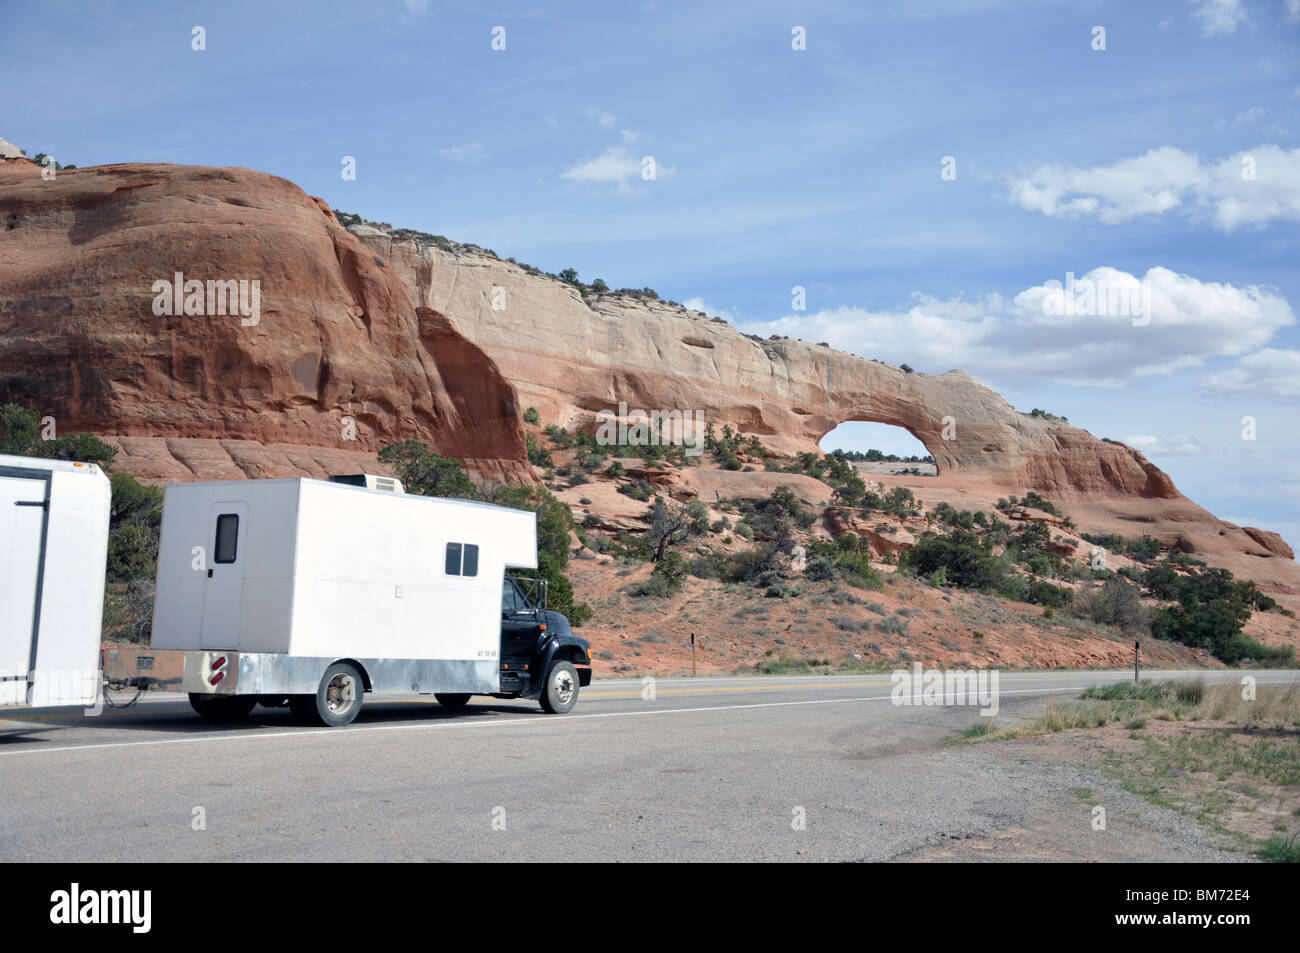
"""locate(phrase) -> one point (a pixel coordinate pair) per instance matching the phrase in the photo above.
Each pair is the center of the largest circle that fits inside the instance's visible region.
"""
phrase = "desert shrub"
(653, 585)
(892, 625)
(672, 523)
(709, 566)
(820, 568)
(135, 517)
(638, 490)
(1144, 549)
(426, 473)
(1033, 501)
(857, 571)
(749, 564)
(1043, 593)
(1039, 565)
(781, 589)
(1115, 602)
(531, 416)
(966, 558)
(538, 456)
(22, 435)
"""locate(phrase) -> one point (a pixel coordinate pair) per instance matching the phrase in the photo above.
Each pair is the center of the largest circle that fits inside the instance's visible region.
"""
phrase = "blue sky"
(819, 168)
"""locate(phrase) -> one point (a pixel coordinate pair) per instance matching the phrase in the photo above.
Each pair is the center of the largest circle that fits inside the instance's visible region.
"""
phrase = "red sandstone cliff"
(213, 395)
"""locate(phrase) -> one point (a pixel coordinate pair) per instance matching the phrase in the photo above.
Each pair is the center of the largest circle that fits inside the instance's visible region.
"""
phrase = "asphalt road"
(799, 768)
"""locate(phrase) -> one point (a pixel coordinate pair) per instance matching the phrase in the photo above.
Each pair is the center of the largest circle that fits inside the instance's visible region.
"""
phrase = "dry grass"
(1201, 748)
(1133, 706)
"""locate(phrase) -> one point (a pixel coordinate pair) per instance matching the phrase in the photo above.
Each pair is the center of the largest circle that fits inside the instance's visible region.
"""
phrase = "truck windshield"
(512, 599)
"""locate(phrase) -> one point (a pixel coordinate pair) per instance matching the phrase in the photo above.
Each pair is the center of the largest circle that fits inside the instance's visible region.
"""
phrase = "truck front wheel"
(337, 700)
(222, 707)
(560, 693)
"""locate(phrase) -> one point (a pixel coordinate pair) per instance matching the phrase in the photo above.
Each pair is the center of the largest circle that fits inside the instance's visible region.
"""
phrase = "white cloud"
(471, 153)
(1293, 12)
(1218, 16)
(1165, 179)
(617, 167)
(1271, 372)
(1019, 341)
(1170, 445)
(417, 6)
(699, 304)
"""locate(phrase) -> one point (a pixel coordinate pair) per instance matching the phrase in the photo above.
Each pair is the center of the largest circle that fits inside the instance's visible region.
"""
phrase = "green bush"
(748, 565)
(1043, 593)
(538, 456)
(819, 569)
(638, 490)
(21, 436)
(135, 518)
(857, 571)
(426, 473)
(966, 558)
(1039, 565)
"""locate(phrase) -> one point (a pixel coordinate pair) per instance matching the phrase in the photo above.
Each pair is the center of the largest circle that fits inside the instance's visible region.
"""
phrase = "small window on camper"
(227, 538)
(462, 559)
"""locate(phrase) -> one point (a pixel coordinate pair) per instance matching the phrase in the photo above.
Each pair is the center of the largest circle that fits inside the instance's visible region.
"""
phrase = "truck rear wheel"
(560, 693)
(336, 702)
(222, 707)
(451, 702)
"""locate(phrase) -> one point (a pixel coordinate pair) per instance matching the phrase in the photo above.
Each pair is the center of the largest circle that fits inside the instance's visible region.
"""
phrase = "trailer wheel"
(451, 702)
(336, 702)
(560, 693)
(222, 707)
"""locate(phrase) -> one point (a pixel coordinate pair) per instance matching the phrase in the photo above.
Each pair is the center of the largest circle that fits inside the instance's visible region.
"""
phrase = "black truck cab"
(541, 657)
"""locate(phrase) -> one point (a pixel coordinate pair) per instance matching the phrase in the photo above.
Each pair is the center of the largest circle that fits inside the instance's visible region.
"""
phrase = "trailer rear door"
(22, 528)
(223, 591)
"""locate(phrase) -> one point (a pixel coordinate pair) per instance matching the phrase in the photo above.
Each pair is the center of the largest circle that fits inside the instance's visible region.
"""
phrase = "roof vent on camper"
(369, 481)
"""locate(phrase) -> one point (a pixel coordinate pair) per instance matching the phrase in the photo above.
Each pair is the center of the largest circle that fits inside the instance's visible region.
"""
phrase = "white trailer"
(54, 518)
(309, 593)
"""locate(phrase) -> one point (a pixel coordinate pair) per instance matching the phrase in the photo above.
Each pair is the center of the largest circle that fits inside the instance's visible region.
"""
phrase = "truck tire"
(451, 702)
(336, 702)
(560, 692)
(222, 707)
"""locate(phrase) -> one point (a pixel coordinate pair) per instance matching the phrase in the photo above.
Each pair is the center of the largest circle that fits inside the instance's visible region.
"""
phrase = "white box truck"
(54, 518)
(309, 593)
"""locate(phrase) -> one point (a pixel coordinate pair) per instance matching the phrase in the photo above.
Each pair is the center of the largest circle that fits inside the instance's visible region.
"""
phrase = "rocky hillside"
(573, 355)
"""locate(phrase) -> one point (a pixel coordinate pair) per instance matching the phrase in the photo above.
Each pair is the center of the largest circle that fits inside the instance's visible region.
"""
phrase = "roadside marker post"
(1137, 647)
(692, 655)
